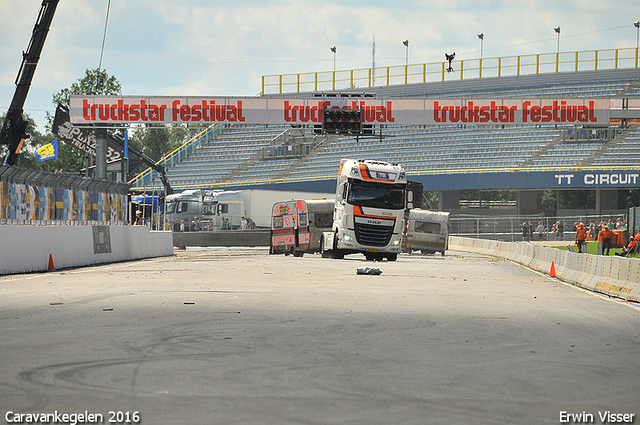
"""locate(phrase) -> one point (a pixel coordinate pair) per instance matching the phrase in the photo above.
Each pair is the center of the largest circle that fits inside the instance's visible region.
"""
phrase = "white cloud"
(214, 47)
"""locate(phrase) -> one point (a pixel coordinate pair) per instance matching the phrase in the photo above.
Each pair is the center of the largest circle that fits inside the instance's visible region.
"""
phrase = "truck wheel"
(369, 257)
(323, 253)
(298, 253)
(337, 254)
(392, 257)
(442, 252)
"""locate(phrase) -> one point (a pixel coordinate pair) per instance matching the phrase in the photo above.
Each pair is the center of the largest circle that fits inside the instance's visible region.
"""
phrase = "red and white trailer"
(297, 225)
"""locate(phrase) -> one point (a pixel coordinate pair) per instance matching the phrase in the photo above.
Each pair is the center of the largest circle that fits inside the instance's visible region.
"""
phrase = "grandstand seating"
(234, 156)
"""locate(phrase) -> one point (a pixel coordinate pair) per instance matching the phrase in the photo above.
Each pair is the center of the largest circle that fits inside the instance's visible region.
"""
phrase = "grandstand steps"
(237, 171)
(630, 89)
(321, 147)
(588, 161)
(541, 151)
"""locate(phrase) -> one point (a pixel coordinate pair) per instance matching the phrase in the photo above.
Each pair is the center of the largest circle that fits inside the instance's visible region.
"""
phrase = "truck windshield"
(375, 195)
(209, 209)
(170, 207)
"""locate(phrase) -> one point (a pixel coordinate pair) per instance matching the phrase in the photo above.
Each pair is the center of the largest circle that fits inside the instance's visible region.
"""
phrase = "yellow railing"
(231, 183)
(587, 60)
(149, 175)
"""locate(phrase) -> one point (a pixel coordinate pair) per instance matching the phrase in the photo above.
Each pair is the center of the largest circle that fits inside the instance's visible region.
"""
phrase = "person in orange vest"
(631, 247)
(607, 235)
(581, 235)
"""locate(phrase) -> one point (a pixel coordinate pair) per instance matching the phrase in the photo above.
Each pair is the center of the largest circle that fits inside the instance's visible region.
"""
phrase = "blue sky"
(222, 48)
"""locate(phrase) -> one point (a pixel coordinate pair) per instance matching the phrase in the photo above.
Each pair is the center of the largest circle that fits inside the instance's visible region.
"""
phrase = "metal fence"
(38, 198)
(510, 228)
(590, 60)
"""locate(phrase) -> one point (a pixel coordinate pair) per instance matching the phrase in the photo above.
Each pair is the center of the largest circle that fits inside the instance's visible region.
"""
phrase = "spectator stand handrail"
(540, 63)
(177, 155)
(292, 143)
(311, 177)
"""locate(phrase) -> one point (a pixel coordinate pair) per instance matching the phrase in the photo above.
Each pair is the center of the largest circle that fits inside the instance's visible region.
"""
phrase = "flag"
(48, 151)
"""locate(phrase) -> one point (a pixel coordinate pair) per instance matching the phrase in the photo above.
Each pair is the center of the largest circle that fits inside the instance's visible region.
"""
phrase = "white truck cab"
(369, 210)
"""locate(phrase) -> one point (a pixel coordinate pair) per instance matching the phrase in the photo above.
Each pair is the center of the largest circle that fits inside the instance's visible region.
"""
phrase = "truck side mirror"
(340, 193)
(409, 205)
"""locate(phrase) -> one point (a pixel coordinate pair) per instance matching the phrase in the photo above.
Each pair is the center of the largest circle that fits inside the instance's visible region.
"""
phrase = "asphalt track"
(236, 336)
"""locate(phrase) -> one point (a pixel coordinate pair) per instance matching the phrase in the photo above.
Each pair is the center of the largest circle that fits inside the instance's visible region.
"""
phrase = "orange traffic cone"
(552, 272)
(51, 267)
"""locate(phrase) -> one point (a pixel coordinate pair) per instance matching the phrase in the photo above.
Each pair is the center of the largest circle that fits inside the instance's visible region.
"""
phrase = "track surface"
(236, 336)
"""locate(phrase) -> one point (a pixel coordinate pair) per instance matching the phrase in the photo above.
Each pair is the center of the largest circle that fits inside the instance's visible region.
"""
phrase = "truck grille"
(372, 235)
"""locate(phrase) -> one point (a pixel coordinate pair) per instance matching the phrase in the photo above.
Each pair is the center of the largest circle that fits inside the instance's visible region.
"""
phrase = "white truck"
(214, 207)
(370, 201)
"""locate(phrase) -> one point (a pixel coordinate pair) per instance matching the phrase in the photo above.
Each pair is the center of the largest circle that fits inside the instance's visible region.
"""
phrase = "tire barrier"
(614, 276)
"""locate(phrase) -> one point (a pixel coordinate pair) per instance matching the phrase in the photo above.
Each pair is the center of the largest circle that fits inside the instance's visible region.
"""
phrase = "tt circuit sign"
(508, 180)
(601, 179)
(375, 111)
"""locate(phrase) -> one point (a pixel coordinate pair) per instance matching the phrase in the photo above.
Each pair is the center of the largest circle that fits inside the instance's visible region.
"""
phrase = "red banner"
(375, 111)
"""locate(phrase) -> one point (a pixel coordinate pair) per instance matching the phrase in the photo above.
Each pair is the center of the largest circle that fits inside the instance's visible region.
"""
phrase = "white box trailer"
(426, 231)
(213, 206)
(256, 204)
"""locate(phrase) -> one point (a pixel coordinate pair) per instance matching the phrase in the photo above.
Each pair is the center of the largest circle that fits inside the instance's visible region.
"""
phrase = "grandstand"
(256, 155)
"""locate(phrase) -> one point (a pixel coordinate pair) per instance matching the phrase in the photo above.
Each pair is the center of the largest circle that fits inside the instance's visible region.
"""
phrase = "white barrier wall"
(611, 275)
(27, 248)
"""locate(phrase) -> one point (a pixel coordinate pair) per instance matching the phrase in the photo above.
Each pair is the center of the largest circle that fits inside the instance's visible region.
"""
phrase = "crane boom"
(14, 127)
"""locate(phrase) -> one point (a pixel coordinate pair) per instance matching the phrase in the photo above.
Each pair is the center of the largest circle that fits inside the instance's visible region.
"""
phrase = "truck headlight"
(347, 237)
(396, 242)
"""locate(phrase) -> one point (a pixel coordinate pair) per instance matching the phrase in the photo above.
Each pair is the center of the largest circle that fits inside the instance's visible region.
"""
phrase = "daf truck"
(370, 202)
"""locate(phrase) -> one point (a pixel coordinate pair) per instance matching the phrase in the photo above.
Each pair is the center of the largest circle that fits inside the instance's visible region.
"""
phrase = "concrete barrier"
(27, 248)
(614, 276)
(253, 237)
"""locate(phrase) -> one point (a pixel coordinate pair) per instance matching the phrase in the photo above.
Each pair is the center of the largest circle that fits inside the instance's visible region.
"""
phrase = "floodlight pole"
(557, 30)
(406, 59)
(334, 49)
(481, 37)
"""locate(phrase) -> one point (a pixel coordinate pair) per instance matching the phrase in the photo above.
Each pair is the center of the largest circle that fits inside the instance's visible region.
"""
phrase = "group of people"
(180, 226)
(196, 225)
(247, 223)
(530, 230)
(603, 232)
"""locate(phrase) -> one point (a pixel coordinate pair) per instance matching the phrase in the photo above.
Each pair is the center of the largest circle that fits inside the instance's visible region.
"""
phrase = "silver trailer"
(427, 232)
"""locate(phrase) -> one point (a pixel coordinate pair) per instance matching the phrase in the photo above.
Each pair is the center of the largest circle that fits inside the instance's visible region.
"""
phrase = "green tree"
(157, 140)
(69, 159)
(95, 81)
(547, 200)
